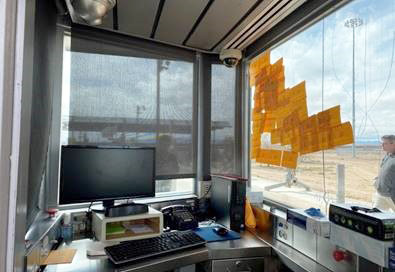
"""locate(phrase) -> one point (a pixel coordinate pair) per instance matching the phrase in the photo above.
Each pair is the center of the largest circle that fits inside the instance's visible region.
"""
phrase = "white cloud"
(303, 61)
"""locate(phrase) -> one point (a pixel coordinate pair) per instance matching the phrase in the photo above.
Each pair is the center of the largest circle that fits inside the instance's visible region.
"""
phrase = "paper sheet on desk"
(138, 228)
(62, 256)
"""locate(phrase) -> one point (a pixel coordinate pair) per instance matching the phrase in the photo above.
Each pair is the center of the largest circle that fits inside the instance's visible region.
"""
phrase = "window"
(323, 57)
(110, 99)
(223, 119)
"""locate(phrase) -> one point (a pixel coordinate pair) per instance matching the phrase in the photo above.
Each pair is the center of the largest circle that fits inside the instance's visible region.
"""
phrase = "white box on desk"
(317, 225)
(153, 220)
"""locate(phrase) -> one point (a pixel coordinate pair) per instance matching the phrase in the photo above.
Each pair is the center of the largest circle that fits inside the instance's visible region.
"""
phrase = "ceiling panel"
(137, 17)
(177, 19)
(219, 19)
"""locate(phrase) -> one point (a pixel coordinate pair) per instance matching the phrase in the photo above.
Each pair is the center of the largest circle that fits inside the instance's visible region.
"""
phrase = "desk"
(247, 246)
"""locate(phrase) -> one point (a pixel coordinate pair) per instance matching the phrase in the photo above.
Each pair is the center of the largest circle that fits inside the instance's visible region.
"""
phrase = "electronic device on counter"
(125, 209)
(371, 222)
(312, 224)
(374, 250)
(227, 200)
(178, 217)
(304, 232)
(100, 173)
(221, 231)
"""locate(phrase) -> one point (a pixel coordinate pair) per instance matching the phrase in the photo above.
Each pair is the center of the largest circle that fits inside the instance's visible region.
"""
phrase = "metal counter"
(292, 258)
(247, 246)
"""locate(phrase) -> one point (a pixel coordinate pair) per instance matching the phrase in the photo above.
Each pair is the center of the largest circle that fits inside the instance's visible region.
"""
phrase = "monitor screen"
(105, 173)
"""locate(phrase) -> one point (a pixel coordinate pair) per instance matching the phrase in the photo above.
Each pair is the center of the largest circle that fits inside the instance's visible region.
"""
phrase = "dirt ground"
(359, 171)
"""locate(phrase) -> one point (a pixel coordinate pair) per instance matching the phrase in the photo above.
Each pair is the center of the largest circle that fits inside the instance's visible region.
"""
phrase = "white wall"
(7, 46)
(16, 65)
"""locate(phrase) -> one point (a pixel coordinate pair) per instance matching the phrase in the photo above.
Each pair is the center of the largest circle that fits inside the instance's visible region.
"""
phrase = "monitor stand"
(108, 203)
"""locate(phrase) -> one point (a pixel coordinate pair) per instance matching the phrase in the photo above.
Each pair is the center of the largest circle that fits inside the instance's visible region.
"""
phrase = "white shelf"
(139, 226)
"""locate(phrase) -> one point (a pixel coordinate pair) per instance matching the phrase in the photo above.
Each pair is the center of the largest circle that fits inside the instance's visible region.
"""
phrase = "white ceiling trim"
(251, 32)
(272, 22)
(253, 21)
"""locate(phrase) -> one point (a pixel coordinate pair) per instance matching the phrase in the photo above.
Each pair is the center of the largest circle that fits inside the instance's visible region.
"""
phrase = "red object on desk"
(339, 255)
(52, 212)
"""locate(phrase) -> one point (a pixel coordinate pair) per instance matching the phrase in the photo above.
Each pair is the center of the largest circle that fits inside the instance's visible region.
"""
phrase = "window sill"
(160, 197)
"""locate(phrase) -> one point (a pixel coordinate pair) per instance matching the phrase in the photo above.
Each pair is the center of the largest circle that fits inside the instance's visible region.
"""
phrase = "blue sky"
(374, 75)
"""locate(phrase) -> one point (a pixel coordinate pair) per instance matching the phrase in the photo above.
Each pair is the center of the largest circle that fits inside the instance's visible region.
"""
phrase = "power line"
(322, 109)
(362, 130)
(341, 84)
(389, 74)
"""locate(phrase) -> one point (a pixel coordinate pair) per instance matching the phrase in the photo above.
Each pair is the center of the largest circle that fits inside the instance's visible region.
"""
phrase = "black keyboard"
(144, 248)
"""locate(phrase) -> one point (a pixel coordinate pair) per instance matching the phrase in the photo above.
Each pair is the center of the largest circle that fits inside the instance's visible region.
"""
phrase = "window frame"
(135, 47)
(302, 18)
(237, 125)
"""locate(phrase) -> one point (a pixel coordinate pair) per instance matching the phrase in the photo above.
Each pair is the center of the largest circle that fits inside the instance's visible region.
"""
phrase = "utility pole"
(353, 23)
(139, 109)
(160, 66)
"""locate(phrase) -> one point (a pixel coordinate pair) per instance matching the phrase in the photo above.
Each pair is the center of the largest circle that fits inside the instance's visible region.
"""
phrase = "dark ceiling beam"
(199, 19)
(304, 16)
(237, 24)
(157, 18)
(115, 17)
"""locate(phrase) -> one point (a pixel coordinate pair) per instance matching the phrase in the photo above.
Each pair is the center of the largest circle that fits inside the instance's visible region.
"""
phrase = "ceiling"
(204, 25)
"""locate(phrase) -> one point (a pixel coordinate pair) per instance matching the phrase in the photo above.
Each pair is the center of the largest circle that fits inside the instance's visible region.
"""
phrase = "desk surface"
(247, 246)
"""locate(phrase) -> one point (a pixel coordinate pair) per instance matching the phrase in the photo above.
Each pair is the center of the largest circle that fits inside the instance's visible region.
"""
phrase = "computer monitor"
(105, 174)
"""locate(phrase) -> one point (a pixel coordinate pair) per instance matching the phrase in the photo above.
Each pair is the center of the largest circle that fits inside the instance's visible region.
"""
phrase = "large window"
(346, 59)
(223, 99)
(110, 99)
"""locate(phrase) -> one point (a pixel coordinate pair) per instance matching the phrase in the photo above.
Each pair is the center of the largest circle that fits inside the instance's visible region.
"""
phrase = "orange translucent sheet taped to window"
(329, 118)
(269, 100)
(291, 121)
(257, 65)
(268, 123)
(286, 117)
(296, 140)
(342, 134)
(310, 125)
(325, 139)
(309, 143)
(289, 159)
(286, 136)
(257, 116)
(270, 156)
(275, 136)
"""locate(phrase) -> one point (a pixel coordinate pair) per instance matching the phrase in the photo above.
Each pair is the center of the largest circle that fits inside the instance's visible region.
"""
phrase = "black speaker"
(125, 210)
(227, 200)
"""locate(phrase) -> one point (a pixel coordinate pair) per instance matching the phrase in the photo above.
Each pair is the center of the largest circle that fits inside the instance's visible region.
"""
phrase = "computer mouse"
(221, 231)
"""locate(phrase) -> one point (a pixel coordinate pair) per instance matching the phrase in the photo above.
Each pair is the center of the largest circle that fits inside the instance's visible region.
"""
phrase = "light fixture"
(92, 11)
